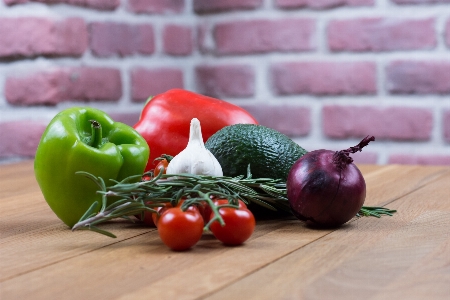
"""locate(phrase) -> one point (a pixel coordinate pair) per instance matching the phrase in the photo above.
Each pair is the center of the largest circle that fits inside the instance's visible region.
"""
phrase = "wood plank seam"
(435, 177)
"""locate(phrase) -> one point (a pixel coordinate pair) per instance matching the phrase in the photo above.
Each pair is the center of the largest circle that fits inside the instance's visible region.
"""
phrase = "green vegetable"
(139, 197)
(84, 139)
(269, 152)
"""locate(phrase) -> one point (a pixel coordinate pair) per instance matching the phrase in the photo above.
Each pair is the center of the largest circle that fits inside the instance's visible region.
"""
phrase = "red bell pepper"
(165, 120)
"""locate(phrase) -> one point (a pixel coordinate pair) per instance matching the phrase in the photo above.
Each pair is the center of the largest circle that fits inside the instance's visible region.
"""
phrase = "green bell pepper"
(85, 139)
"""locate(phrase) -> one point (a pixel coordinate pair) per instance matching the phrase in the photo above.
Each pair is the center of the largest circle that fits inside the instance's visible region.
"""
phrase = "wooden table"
(406, 256)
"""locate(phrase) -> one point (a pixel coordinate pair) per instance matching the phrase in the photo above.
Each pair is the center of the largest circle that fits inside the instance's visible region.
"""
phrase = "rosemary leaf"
(89, 212)
(104, 232)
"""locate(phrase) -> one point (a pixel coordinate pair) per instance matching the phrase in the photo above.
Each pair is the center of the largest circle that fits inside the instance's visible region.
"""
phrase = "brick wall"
(325, 72)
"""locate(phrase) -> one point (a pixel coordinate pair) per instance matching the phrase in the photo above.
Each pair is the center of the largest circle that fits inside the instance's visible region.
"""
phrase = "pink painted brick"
(447, 33)
(406, 159)
(392, 123)
(146, 83)
(52, 87)
(156, 6)
(97, 4)
(365, 157)
(178, 40)
(446, 125)
(21, 138)
(35, 89)
(109, 38)
(204, 29)
(324, 78)
(378, 34)
(93, 84)
(202, 32)
(33, 36)
(259, 36)
(421, 77)
(129, 118)
(292, 120)
(226, 80)
(321, 4)
(420, 1)
(205, 6)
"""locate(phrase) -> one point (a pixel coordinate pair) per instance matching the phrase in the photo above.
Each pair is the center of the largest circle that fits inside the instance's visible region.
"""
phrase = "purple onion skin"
(325, 191)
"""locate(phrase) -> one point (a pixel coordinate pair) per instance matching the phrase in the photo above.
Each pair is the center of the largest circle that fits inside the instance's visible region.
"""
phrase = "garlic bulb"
(195, 158)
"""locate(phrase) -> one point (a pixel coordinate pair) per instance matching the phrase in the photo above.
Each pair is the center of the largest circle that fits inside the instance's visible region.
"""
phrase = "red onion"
(325, 188)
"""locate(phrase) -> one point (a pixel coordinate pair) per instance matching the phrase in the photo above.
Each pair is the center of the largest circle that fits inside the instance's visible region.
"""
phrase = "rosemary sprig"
(369, 211)
(136, 197)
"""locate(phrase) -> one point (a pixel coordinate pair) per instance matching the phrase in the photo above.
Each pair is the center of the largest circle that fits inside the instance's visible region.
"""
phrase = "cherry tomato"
(166, 206)
(222, 201)
(146, 178)
(160, 210)
(148, 218)
(180, 230)
(205, 209)
(239, 226)
(161, 166)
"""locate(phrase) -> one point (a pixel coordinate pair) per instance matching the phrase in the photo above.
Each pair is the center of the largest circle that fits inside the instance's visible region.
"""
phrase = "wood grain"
(31, 236)
(40, 256)
(33, 240)
(372, 259)
(16, 179)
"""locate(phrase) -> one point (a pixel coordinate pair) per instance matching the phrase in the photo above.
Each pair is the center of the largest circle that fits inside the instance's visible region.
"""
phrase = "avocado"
(270, 153)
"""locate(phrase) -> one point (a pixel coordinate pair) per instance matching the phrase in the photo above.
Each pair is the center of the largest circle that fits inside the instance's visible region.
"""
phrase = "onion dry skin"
(325, 188)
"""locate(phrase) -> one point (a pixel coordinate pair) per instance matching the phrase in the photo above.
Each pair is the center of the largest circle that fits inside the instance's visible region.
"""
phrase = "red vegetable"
(146, 218)
(205, 209)
(162, 209)
(180, 230)
(166, 118)
(161, 167)
(239, 225)
(325, 188)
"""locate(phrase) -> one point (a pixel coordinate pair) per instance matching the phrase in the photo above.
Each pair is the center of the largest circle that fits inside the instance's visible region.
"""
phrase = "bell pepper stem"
(96, 138)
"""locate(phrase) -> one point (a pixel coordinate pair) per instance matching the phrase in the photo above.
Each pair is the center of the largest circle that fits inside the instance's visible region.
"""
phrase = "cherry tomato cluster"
(180, 227)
